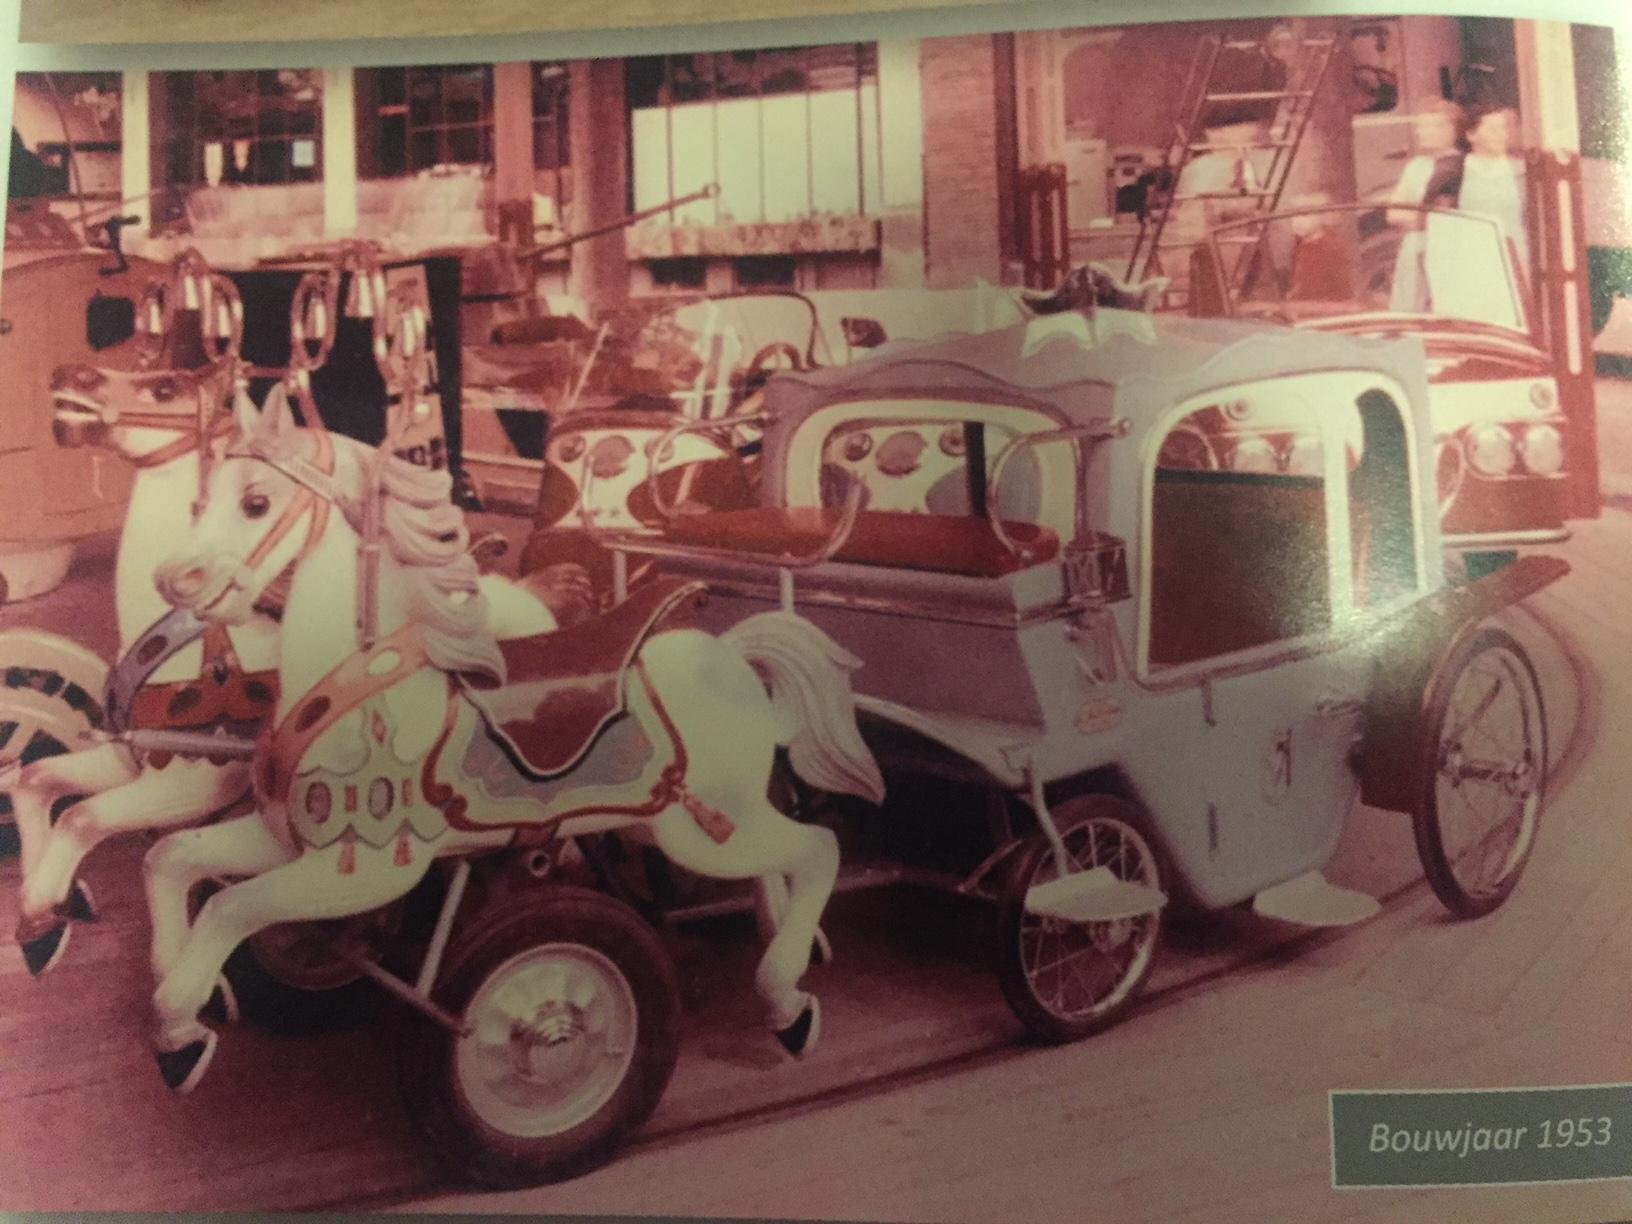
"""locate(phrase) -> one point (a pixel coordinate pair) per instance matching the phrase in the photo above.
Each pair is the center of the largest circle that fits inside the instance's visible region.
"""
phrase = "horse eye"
(255, 505)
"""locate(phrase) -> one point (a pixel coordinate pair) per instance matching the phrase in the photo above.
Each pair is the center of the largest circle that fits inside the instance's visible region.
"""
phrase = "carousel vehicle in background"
(67, 299)
(1053, 601)
(1449, 278)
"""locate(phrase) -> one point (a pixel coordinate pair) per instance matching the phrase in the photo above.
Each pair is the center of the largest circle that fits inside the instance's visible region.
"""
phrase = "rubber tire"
(1042, 1024)
(435, 1104)
(1425, 815)
(41, 746)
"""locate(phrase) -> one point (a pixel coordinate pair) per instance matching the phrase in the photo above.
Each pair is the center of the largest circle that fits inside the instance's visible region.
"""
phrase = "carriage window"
(931, 466)
(1383, 545)
(1238, 534)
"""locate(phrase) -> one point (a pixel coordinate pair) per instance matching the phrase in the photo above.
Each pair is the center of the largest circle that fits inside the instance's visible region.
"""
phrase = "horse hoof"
(182, 1069)
(821, 951)
(800, 1037)
(222, 1007)
(43, 951)
(80, 905)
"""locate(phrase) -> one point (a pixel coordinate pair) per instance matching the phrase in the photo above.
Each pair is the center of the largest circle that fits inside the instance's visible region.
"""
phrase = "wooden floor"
(1209, 1104)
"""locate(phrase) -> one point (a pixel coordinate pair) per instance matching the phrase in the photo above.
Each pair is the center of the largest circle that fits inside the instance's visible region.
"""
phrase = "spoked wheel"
(48, 700)
(1066, 980)
(573, 1012)
(1484, 773)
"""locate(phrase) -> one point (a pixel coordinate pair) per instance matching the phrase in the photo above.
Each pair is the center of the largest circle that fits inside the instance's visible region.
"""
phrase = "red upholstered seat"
(943, 543)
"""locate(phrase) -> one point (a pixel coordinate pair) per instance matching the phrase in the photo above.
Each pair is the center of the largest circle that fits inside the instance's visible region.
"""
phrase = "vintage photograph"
(957, 628)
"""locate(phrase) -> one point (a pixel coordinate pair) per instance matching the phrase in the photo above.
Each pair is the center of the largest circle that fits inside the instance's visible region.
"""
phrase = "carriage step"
(1313, 900)
(1095, 895)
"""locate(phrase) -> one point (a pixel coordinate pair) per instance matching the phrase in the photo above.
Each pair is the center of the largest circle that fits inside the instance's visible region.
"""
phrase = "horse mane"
(426, 535)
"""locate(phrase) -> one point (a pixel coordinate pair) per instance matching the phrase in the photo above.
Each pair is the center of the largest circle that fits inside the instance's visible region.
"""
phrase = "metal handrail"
(1095, 431)
(658, 547)
(654, 457)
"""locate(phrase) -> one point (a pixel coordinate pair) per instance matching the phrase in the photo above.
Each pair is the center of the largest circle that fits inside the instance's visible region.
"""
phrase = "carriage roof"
(1121, 363)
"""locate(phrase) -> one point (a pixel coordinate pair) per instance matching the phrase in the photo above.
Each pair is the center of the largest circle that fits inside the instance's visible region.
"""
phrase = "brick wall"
(961, 209)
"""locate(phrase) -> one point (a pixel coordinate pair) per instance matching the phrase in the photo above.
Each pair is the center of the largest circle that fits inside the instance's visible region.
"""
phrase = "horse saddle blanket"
(563, 689)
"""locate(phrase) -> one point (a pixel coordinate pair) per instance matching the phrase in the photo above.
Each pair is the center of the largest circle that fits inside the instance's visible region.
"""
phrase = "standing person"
(1487, 179)
(1434, 131)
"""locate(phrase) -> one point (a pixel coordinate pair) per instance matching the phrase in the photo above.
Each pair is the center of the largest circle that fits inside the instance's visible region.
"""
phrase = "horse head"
(262, 485)
(189, 331)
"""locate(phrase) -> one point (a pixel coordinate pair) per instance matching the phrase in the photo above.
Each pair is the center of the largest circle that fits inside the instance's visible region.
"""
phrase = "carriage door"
(1250, 556)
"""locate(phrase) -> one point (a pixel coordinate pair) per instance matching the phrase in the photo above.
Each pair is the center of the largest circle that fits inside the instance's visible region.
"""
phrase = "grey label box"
(1481, 1137)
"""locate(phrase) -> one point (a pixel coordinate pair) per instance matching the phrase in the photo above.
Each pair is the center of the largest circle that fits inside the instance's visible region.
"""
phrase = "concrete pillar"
(962, 215)
(599, 141)
(135, 149)
(339, 153)
(901, 133)
(513, 149)
(1547, 112)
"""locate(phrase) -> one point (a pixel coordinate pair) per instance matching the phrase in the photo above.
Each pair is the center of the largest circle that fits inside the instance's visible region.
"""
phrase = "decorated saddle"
(549, 744)
(563, 689)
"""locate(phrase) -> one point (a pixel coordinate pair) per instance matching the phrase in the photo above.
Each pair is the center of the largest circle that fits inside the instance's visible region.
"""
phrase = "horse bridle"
(316, 494)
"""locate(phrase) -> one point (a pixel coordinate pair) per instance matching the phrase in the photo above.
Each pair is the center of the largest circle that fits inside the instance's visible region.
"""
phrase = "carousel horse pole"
(364, 777)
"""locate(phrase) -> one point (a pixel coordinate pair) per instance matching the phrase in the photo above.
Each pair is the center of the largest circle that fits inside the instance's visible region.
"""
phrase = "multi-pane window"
(413, 119)
(240, 127)
(785, 134)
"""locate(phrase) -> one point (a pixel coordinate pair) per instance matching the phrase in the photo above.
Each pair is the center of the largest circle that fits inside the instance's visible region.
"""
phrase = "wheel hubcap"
(552, 1036)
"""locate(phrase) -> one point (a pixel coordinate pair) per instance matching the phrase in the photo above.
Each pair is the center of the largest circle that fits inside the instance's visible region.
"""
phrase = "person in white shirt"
(1487, 180)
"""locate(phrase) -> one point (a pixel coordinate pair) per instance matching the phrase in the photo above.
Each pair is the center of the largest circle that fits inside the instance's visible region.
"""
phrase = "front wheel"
(1066, 980)
(574, 1018)
(1484, 771)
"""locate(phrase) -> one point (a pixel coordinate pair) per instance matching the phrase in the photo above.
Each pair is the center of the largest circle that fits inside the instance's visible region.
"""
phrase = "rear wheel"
(1484, 771)
(1066, 980)
(48, 688)
(574, 1022)
(289, 979)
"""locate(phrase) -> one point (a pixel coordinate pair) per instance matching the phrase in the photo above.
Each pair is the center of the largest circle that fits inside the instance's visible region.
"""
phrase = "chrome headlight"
(1543, 450)
(1491, 451)
(1543, 395)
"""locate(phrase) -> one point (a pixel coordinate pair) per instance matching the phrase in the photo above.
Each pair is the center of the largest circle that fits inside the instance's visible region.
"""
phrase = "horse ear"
(279, 413)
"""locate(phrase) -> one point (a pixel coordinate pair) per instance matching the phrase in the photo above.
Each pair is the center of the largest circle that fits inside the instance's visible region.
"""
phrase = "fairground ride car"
(1449, 278)
(700, 360)
(66, 300)
(1053, 604)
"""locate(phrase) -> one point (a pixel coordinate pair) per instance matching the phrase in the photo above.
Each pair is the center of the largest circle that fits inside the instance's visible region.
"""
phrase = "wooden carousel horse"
(426, 710)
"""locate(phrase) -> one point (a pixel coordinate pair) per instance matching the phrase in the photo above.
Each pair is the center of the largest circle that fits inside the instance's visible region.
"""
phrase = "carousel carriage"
(1053, 600)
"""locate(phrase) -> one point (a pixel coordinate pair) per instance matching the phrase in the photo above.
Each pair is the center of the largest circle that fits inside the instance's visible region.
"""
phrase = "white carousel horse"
(386, 755)
(221, 676)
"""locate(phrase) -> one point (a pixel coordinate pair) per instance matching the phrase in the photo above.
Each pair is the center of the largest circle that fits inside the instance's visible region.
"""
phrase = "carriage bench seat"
(942, 543)
(562, 689)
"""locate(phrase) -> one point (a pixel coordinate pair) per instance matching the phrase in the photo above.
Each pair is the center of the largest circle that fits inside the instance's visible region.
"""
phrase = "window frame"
(196, 137)
(1347, 618)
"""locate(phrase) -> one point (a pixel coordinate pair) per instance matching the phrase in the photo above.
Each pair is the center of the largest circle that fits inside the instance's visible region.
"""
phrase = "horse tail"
(808, 674)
